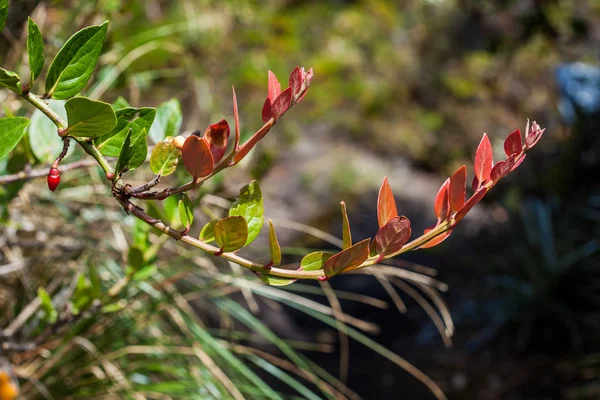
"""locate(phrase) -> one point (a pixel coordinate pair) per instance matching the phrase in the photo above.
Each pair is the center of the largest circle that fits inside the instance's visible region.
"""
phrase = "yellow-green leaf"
(186, 211)
(249, 205)
(164, 158)
(274, 244)
(346, 235)
(231, 233)
(315, 261)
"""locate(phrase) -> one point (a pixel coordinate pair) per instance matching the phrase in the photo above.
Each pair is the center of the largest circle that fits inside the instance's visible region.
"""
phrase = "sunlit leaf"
(502, 168)
(347, 259)
(274, 87)
(346, 234)
(10, 80)
(274, 245)
(236, 119)
(207, 233)
(197, 158)
(513, 143)
(217, 137)
(231, 233)
(441, 206)
(164, 158)
(437, 240)
(124, 155)
(483, 162)
(476, 198)
(275, 280)
(35, 50)
(89, 118)
(74, 63)
(50, 313)
(295, 81)
(315, 261)
(458, 189)
(249, 205)
(186, 211)
(281, 103)
(386, 205)
(392, 236)
(168, 121)
(139, 120)
(12, 131)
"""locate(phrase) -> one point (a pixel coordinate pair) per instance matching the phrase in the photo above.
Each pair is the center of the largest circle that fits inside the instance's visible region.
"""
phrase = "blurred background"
(403, 89)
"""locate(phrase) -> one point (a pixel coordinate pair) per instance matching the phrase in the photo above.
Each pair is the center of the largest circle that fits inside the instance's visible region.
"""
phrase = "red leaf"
(307, 80)
(534, 135)
(282, 103)
(502, 168)
(483, 160)
(217, 137)
(441, 207)
(386, 205)
(295, 81)
(436, 240)
(197, 157)
(236, 118)
(392, 236)
(274, 87)
(458, 188)
(513, 143)
(347, 259)
(476, 198)
(266, 111)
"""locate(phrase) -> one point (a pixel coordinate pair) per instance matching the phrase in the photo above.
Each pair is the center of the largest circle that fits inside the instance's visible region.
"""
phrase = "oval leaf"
(392, 236)
(89, 118)
(186, 211)
(386, 205)
(458, 189)
(436, 240)
(315, 261)
(207, 234)
(12, 131)
(168, 121)
(346, 234)
(231, 233)
(249, 205)
(348, 259)
(483, 161)
(73, 65)
(197, 158)
(281, 104)
(273, 86)
(164, 158)
(513, 143)
(275, 280)
(476, 198)
(441, 207)
(136, 119)
(274, 245)
(10, 80)
(125, 155)
(217, 136)
(35, 50)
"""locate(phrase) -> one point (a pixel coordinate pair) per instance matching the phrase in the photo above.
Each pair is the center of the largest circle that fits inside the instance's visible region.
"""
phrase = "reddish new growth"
(53, 178)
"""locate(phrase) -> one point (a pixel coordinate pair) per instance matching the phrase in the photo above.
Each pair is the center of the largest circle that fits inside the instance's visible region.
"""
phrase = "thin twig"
(43, 172)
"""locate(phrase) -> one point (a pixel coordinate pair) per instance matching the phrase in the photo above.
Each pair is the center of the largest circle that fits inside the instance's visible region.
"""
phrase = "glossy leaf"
(43, 138)
(249, 205)
(168, 121)
(10, 80)
(348, 259)
(437, 240)
(274, 87)
(274, 245)
(207, 234)
(89, 118)
(476, 198)
(441, 207)
(281, 103)
(35, 50)
(386, 205)
(346, 234)
(315, 261)
(513, 143)
(75, 62)
(274, 280)
(217, 137)
(3, 13)
(483, 162)
(502, 168)
(236, 118)
(12, 131)
(197, 158)
(458, 189)
(51, 315)
(392, 236)
(231, 233)
(164, 158)
(186, 211)
(139, 121)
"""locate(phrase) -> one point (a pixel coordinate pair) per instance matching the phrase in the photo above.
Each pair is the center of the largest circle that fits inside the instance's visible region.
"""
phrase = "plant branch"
(43, 172)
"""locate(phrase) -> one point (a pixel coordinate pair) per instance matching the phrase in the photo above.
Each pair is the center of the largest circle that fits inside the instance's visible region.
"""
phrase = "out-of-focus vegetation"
(412, 80)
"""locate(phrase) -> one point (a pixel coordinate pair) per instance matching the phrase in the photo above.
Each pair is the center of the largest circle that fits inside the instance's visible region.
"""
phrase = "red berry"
(53, 178)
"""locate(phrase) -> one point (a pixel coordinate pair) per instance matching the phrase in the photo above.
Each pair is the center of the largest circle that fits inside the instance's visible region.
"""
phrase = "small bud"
(178, 142)
(110, 176)
(53, 178)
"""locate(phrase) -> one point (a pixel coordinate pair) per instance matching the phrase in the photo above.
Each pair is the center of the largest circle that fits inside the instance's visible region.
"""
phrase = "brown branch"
(43, 172)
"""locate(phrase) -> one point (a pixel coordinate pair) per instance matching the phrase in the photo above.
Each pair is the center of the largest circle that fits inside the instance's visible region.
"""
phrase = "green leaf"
(315, 261)
(186, 211)
(231, 233)
(207, 233)
(139, 121)
(89, 118)
(119, 103)
(135, 258)
(75, 62)
(43, 139)
(249, 205)
(3, 13)
(50, 312)
(348, 259)
(10, 80)
(275, 280)
(346, 235)
(35, 50)
(145, 272)
(164, 158)
(168, 121)
(274, 244)
(12, 131)
(133, 152)
(124, 155)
